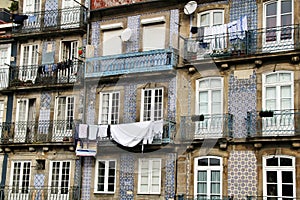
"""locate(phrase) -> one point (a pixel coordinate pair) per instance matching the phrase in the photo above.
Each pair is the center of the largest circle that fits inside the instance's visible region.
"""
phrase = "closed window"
(109, 108)
(149, 176)
(154, 33)
(29, 62)
(112, 43)
(59, 179)
(208, 177)
(152, 104)
(20, 179)
(105, 181)
(279, 177)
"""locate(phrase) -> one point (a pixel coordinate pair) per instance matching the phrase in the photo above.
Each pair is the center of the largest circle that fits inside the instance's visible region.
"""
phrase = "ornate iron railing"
(251, 42)
(206, 126)
(273, 123)
(148, 61)
(51, 20)
(167, 136)
(42, 131)
(28, 193)
(48, 74)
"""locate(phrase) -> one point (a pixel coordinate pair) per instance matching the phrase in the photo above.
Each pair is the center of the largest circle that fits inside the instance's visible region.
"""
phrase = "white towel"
(102, 131)
(93, 132)
(83, 130)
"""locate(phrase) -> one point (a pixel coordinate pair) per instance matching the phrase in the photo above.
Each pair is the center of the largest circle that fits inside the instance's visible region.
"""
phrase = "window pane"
(202, 175)
(272, 189)
(286, 20)
(203, 162)
(217, 18)
(272, 162)
(204, 19)
(202, 188)
(286, 162)
(214, 162)
(215, 188)
(286, 6)
(272, 176)
(215, 83)
(287, 177)
(215, 176)
(286, 92)
(285, 77)
(271, 9)
(203, 84)
(271, 22)
(271, 78)
(287, 190)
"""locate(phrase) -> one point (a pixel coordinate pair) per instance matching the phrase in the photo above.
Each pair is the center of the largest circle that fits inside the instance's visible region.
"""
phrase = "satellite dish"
(190, 7)
(126, 34)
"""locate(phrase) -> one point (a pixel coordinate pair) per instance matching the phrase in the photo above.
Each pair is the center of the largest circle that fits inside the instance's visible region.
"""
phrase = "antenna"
(126, 34)
(190, 7)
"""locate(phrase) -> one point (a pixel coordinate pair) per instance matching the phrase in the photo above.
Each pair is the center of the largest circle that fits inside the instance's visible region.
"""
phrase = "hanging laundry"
(102, 131)
(83, 128)
(93, 132)
(32, 19)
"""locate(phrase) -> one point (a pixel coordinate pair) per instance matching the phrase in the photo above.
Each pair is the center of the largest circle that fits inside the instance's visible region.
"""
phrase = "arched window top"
(279, 161)
(209, 161)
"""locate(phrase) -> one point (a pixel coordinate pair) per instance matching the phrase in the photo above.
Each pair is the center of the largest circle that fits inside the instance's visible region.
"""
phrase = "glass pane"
(286, 20)
(271, 9)
(287, 177)
(287, 190)
(203, 162)
(204, 19)
(215, 176)
(271, 22)
(286, 92)
(202, 175)
(272, 176)
(214, 162)
(217, 18)
(216, 108)
(203, 96)
(286, 162)
(215, 188)
(271, 78)
(272, 162)
(285, 77)
(270, 105)
(286, 6)
(271, 92)
(202, 188)
(203, 84)
(272, 189)
(216, 96)
(286, 104)
(215, 83)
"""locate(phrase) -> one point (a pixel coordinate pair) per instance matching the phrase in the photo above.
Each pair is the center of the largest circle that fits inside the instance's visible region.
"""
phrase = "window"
(64, 116)
(69, 51)
(214, 34)
(1, 117)
(149, 176)
(112, 43)
(279, 177)
(70, 14)
(59, 179)
(20, 179)
(5, 51)
(209, 102)
(105, 180)
(109, 108)
(29, 62)
(278, 20)
(152, 104)
(208, 177)
(278, 96)
(31, 8)
(154, 33)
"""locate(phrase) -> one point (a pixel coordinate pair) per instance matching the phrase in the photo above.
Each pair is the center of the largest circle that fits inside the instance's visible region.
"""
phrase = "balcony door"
(1, 117)
(29, 62)
(70, 16)
(4, 69)
(25, 120)
(68, 72)
(32, 8)
(278, 96)
(63, 119)
(278, 24)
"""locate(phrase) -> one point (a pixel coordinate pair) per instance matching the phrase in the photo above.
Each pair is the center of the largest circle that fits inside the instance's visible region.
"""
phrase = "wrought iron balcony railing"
(28, 193)
(50, 20)
(167, 136)
(206, 126)
(148, 61)
(42, 131)
(251, 42)
(273, 123)
(49, 74)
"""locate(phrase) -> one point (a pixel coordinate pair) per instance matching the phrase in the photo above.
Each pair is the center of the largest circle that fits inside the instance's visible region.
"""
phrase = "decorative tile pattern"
(51, 5)
(249, 8)
(170, 176)
(174, 27)
(242, 174)
(134, 24)
(45, 100)
(91, 98)
(77, 172)
(86, 178)
(127, 176)
(241, 99)
(172, 100)
(95, 38)
(130, 103)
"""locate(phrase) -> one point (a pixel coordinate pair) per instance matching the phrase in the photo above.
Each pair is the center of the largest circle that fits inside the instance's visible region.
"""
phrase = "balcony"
(128, 63)
(28, 193)
(273, 123)
(159, 138)
(30, 132)
(206, 127)
(50, 20)
(40, 75)
(233, 45)
(4, 77)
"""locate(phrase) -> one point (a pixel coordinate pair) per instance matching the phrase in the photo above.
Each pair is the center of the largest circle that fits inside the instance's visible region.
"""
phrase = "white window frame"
(59, 187)
(5, 54)
(152, 111)
(150, 173)
(210, 12)
(282, 119)
(1, 116)
(110, 104)
(150, 27)
(18, 194)
(29, 63)
(278, 169)
(106, 176)
(282, 44)
(208, 169)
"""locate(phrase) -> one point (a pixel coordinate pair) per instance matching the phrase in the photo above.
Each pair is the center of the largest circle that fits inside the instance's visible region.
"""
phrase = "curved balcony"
(127, 63)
